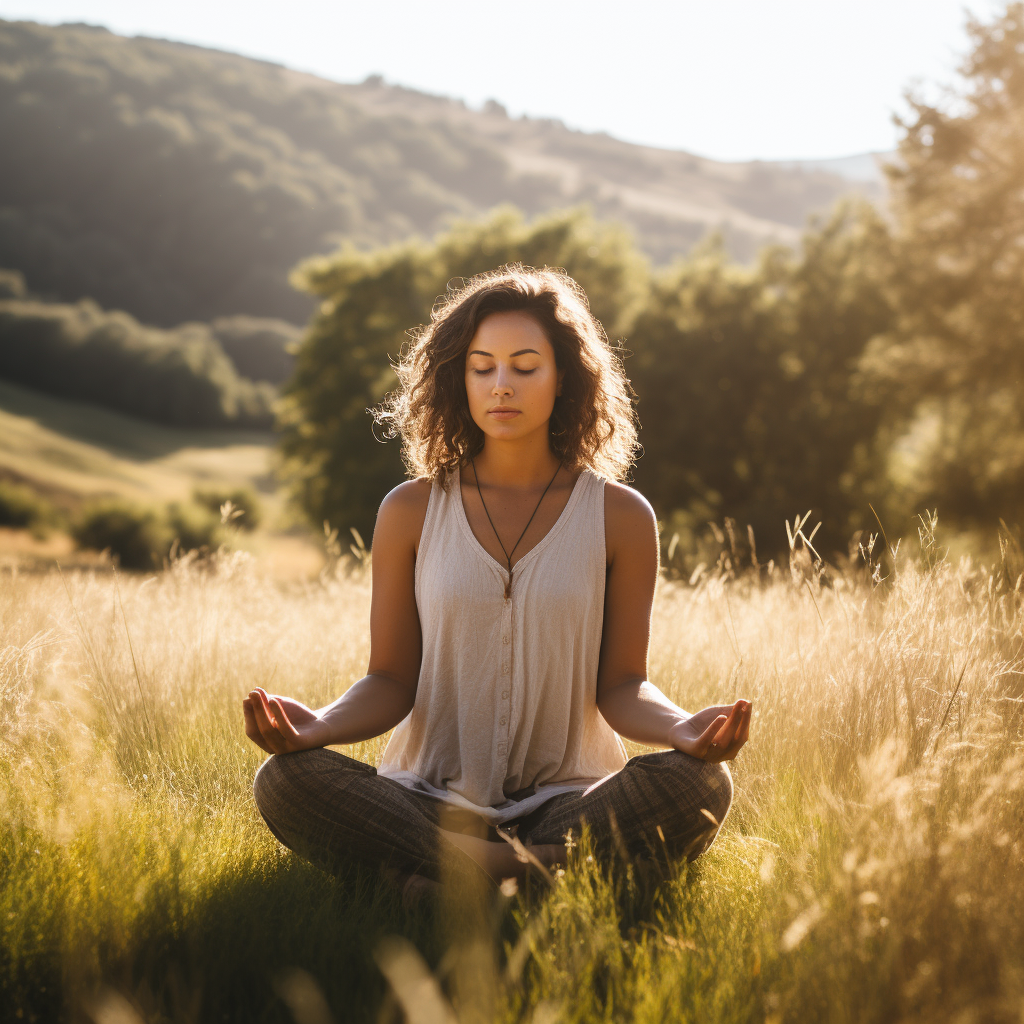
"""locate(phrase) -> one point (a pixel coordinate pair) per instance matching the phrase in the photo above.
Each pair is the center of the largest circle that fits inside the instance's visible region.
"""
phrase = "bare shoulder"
(630, 522)
(627, 509)
(410, 496)
(402, 512)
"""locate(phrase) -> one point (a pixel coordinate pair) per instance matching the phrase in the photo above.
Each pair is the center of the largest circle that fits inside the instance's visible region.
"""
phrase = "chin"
(498, 432)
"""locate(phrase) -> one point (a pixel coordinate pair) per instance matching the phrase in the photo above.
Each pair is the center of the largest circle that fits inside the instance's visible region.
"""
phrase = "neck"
(526, 462)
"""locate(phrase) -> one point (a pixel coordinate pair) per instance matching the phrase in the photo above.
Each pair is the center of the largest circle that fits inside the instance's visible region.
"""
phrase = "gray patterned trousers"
(335, 811)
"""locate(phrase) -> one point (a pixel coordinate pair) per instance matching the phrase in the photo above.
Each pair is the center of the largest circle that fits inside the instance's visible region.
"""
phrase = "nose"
(502, 385)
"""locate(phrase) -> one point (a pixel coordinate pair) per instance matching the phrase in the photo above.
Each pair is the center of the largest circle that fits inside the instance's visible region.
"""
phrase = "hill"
(180, 183)
(72, 453)
(74, 450)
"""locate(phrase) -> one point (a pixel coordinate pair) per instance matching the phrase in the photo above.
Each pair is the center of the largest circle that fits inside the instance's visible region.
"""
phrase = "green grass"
(77, 449)
(872, 868)
(70, 455)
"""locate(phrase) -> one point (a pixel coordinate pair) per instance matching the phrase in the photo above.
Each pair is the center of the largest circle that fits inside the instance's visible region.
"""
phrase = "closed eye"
(522, 373)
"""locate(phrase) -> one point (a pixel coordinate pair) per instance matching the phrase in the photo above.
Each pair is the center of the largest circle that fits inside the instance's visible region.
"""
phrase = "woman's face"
(511, 376)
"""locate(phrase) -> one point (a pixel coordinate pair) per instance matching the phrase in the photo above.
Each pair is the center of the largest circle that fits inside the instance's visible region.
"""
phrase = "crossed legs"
(334, 810)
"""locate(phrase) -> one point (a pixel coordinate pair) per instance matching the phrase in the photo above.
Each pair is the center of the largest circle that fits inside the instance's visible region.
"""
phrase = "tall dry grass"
(872, 868)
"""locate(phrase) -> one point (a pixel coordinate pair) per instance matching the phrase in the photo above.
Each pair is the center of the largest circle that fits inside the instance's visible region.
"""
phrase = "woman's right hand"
(280, 725)
(714, 734)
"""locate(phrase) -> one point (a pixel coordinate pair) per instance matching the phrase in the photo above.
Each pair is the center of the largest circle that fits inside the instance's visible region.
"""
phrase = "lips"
(503, 412)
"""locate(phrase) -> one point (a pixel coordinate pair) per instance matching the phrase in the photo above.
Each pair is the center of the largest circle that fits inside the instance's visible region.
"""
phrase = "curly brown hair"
(593, 425)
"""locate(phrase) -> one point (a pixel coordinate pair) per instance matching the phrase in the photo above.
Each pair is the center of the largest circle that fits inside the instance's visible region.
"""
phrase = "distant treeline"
(883, 364)
(743, 375)
(182, 377)
(137, 537)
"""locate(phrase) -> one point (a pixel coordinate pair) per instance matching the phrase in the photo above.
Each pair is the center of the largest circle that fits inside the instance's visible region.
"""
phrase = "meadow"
(72, 453)
(871, 869)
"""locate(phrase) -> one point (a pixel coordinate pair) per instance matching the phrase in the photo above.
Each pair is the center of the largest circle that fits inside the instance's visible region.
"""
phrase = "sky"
(729, 79)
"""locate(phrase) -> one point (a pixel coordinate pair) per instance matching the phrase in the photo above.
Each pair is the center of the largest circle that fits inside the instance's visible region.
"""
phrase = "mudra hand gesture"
(281, 725)
(714, 734)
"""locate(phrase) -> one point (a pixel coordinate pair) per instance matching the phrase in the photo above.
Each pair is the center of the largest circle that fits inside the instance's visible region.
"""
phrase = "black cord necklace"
(509, 554)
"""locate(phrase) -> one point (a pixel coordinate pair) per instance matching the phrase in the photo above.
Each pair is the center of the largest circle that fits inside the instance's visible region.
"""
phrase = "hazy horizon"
(797, 81)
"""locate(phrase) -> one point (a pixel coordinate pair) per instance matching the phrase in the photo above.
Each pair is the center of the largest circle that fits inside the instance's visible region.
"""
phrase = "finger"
(728, 729)
(744, 733)
(284, 724)
(740, 738)
(258, 739)
(264, 719)
(267, 726)
(724, 746)
(252, 730)
(705, 743)
(249, 715)
(261, 708)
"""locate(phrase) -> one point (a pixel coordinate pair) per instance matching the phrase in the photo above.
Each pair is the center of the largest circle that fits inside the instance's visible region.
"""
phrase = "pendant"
(508, 585)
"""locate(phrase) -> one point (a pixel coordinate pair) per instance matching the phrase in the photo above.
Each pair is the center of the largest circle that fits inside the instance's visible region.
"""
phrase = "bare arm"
(633, 706)
(385, 695)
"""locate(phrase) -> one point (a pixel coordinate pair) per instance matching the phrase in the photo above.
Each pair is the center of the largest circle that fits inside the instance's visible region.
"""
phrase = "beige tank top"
(506, 713)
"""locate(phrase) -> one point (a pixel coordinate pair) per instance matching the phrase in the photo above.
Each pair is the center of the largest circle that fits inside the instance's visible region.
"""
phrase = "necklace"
(508, 554)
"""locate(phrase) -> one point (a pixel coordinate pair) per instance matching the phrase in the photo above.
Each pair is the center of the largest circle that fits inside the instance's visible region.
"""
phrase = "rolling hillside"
(179, 183)
(73, 452)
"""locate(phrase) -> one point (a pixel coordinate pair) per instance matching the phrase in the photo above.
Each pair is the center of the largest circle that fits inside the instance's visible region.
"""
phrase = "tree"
(181, 376)
(951, 369)
(743, 374)
(744, 377)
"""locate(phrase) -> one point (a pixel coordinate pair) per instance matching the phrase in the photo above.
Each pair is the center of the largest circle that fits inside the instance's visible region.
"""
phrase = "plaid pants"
(334, 811)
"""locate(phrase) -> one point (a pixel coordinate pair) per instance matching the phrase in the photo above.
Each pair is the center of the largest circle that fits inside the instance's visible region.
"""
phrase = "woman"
(513, 582)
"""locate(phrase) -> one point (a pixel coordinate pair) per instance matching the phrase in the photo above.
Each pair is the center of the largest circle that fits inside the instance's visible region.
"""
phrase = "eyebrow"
(521, 352)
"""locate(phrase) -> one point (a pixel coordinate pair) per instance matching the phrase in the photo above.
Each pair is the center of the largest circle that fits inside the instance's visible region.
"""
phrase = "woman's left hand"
(281, 725)
(714, 734)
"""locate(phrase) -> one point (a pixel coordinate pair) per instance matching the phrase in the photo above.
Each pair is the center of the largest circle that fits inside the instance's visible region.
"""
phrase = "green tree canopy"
(743, 374)
(884, 361)
(744, 378)
(952, 367)
(180, 376)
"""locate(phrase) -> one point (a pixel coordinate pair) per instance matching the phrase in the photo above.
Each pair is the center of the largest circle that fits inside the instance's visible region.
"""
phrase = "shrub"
(193, 527)
(242, 498)
(260, 348)
(12, 284)
(141, 538)
(135, 537)
(23, 508)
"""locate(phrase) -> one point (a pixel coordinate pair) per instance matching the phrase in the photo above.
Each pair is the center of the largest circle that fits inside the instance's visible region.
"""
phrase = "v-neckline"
(491, 560)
